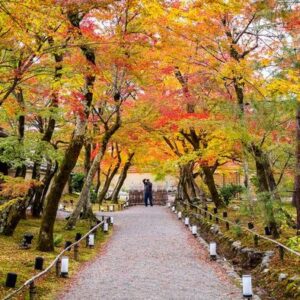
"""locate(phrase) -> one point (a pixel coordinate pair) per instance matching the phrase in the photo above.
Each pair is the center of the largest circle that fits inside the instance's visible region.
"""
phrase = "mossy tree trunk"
(296, 194)
(122, 178)
(41, 191)
(109, 177)
(38, 200)
(45, 242)
(84, 195)
(87, 207)
(210, 182)
(16, 213)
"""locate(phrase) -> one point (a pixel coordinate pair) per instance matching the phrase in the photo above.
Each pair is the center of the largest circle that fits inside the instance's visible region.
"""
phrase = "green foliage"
(31, 149)
(270, 209)
(229, 192)
(294, 243)
(58, 238)
(77, 182)
(237, 230)
(93, 195)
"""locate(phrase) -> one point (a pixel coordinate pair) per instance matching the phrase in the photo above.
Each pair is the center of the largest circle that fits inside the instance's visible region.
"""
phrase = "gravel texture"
(151, 255)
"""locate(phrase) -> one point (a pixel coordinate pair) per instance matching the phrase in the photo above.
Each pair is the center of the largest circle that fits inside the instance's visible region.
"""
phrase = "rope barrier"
(249, 230)
(30, 281)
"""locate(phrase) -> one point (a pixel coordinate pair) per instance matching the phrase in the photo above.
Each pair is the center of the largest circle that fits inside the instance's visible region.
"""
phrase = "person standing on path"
(147, 192)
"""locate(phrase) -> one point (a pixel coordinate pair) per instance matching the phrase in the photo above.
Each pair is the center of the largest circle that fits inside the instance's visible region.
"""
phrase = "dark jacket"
(148, 188)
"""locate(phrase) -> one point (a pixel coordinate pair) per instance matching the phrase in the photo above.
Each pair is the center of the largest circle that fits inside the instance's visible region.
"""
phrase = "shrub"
(58, 238)
(237, 231)
(77, 182)
(294, 243)
(229, 192)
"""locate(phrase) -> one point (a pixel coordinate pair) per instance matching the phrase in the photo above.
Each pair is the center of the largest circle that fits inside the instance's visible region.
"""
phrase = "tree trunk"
(41, 191)
(187, 187)
(180, 191)
(98, 183)
(84, 195)
(35, 175)
(16, 213)
(122, 178)
(21, 170)
(210, 182)
(87, 206)
(296, 194)
(45, 242)
(108, 180)
(265, 176)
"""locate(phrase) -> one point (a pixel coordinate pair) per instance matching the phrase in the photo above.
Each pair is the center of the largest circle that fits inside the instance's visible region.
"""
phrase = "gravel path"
(151, 255)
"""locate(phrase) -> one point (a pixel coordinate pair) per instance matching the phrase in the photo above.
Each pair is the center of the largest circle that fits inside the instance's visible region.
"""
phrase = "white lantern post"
(194, 230)
(213, 250)
(186, 221)
(64, 270)
(169, 204)
(111, 208)
(105, 227)
(91, 242)
(247, 286)
(173, 208)
(179, 215)
(111, 220)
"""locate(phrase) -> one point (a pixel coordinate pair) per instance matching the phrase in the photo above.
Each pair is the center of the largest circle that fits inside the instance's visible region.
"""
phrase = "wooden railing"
(256, 235)
(136, 197)
(30, 283)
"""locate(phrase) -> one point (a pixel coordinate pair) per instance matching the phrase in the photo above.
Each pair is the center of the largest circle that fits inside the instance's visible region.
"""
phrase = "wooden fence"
(136, 197)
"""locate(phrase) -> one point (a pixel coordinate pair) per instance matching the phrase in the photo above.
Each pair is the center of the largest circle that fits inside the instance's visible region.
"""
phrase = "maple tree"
(173, 87)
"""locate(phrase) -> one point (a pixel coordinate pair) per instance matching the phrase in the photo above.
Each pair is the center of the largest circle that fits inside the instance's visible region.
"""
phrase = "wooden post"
(281, 252)
(32, 291)
(227, 225)
(217, 220)
(210, 216)
(76, 252)
(256, 240)
(57, 267)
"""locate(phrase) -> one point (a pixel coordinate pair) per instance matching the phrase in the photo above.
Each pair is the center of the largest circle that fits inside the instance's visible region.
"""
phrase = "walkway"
(152, 256)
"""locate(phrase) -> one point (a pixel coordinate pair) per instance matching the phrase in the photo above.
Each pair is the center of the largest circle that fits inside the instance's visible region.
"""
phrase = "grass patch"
(14, 259)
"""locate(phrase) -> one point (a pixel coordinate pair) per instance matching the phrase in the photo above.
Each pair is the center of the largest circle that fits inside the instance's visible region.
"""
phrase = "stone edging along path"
(153, 256)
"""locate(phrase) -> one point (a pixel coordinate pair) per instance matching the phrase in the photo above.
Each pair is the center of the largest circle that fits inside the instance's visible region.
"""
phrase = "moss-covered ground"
(14, 259)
